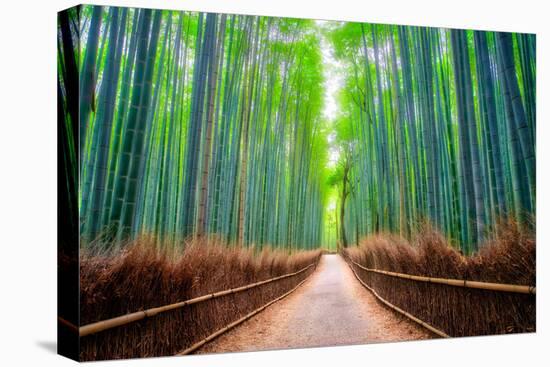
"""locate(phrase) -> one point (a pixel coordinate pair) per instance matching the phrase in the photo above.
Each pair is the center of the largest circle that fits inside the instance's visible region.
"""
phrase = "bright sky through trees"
(333, 79)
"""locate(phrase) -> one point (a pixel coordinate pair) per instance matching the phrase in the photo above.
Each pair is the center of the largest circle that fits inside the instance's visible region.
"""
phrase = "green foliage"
(195, 124)
(429, 126)
(215, 129)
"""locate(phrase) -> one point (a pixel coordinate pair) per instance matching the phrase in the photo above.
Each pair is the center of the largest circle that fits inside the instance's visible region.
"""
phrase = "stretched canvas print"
(240, 183)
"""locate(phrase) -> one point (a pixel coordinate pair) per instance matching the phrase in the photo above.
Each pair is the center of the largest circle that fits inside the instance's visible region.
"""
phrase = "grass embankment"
(141, 277)
(507, 257)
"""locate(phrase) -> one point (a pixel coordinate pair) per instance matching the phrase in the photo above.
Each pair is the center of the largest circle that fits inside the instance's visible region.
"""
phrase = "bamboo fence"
(72, 327)
(511, 288)
(99, 326)
(397, 309)
(211, 337)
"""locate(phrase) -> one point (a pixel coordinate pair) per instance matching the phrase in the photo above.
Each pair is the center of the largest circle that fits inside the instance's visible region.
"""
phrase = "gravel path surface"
(330, 308)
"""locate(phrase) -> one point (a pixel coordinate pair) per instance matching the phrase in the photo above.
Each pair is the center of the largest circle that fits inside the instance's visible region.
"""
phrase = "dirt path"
(330, 308)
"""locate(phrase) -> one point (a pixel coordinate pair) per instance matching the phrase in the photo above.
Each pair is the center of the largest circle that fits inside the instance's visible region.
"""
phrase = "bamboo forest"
(291, 136)
(204, 123)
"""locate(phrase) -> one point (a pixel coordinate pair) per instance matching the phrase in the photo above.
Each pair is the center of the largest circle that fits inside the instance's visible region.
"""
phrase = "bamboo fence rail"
(72, 327)
(211, 337)
(397, 309)
(512, 288)
(99, 326)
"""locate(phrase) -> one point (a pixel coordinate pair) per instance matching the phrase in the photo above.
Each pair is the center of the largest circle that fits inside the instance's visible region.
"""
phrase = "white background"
(28, 181)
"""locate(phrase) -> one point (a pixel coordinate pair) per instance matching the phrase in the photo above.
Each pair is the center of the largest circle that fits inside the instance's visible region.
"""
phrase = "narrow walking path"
(331, 308)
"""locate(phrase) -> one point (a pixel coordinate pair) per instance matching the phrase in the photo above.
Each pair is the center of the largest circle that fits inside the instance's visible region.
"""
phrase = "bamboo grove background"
(435, 125)
(193, 123)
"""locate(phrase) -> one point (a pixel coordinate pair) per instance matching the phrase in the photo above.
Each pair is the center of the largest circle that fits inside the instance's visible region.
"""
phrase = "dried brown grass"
(141, 277)
(507, 257)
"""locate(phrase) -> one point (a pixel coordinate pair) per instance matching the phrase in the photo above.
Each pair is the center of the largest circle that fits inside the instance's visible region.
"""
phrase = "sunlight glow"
(333, 81)
(332, 73)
